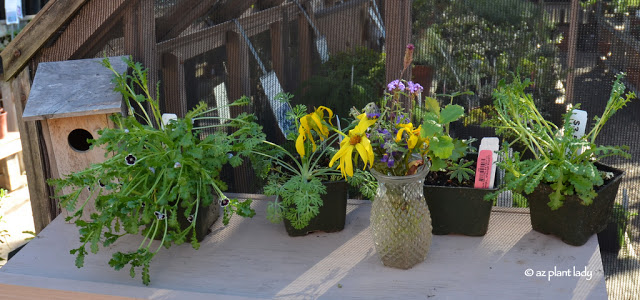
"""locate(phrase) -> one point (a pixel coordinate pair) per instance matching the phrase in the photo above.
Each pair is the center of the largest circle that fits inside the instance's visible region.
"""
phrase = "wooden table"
(254, 259)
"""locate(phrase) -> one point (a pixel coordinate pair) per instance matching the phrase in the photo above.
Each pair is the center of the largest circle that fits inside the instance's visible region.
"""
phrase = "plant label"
(486, 163)
(579, 122)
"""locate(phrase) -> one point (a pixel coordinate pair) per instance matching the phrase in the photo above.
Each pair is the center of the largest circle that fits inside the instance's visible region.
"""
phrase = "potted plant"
(455, 205)
(309, 195)
(3, 123)
(612, 238)
(160, 178)
(569, 193)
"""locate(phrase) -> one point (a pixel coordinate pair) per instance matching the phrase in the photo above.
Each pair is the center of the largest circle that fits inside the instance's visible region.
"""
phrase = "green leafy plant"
(297, 178)
(461, 172)
(562, 160)
(156, 175)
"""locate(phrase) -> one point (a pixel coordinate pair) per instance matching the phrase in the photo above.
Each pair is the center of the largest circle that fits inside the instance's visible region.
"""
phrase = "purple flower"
(374, 115)
(385, 158)
(224, 202)
(402, 119)
(395, 85)
(390, 162)
(152, 169)
(414, 88)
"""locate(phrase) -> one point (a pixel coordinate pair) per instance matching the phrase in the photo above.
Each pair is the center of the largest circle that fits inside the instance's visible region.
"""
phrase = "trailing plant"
(562, 160)
(156, 175)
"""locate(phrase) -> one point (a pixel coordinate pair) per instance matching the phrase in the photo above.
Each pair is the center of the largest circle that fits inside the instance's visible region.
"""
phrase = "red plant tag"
(483, 169)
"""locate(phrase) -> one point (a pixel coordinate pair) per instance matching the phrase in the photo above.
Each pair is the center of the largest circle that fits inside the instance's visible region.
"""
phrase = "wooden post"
(277, 51)
(573, 41)
(397, 20)
(35, 157)
(174, 84)
(239, 85)
(304, 48)
(238, 71)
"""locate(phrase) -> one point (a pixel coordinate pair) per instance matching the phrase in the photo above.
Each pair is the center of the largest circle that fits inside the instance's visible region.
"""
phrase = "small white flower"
(152, 169)
(159, 215)
(224, 202)
(130, 160)
(190, 219)
(126, 130)
(177, 165)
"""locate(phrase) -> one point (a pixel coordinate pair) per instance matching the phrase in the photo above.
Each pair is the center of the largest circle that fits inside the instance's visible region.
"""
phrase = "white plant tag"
(579, 122)
(486, 163)
(166, 118)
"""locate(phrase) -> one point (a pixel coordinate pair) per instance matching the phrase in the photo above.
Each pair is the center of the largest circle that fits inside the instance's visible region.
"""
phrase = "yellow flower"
(309, 122)
(357, 139)
(413, 133)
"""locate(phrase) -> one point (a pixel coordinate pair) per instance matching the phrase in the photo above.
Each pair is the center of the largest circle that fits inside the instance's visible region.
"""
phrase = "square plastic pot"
(332, 214)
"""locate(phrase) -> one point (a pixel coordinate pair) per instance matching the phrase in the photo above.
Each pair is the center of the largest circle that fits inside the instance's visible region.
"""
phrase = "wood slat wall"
(83, 27)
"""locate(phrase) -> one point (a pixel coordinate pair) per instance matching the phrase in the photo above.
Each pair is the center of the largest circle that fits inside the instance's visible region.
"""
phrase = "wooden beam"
(571, 59)
(305, 40)
(264, 4)
(34, 36)
(204, 40)
(226, 10)
(239, 78)
(398, 22)
(277, 50)
(34, 156)
(174, 84)
(91, 25)
(183, 14)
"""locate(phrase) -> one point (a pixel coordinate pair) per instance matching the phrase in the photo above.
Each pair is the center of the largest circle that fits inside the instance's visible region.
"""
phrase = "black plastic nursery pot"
(611, 238)
(207, 215)
(332, 214)
(459, 210)
(574, 222)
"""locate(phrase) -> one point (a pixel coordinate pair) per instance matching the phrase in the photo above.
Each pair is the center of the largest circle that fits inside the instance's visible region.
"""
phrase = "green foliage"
(150, 173)
(445, 152)
(561, 160)
(332, 86)
(461, 171)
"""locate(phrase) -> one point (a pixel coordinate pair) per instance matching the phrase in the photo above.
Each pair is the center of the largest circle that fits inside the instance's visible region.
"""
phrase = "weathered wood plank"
(277, 51)
(34, 157)
(204, 40)
(15, 292)
(93, 22)
(43, 26)
(174, 84)
(183, 14)
(264, 4)
(397, 19)
(305, 42)
(246, 254)
(73, 88)
(226, 10)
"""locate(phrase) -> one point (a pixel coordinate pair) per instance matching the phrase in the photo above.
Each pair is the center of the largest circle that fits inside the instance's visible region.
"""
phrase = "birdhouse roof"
(74, 88)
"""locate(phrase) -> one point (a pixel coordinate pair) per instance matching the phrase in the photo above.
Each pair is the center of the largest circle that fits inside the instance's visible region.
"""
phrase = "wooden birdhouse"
(73, 100)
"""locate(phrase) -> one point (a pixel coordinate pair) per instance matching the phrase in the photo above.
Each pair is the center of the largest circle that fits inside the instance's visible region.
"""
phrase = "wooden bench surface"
(255, 259)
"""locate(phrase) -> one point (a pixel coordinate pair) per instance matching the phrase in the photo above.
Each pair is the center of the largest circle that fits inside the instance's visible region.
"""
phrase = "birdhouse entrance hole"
(78, 140)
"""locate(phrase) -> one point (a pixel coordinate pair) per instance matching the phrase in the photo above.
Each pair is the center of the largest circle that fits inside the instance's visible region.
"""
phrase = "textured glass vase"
(400, 220)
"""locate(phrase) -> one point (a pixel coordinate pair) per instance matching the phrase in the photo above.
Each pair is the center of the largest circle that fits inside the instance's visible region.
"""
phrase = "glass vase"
(400, 219)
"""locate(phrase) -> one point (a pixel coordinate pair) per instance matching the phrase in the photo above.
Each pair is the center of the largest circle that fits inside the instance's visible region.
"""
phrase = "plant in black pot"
(570, 194)
(309, 195)
(455, 205)
(160, 178)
